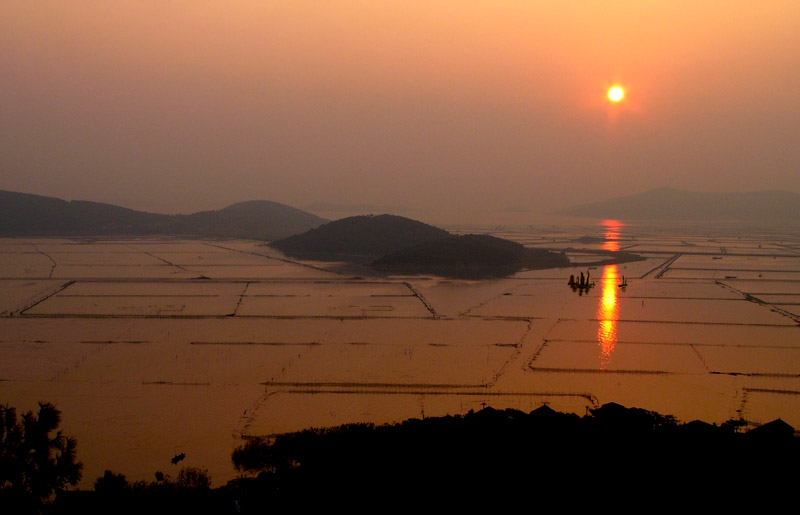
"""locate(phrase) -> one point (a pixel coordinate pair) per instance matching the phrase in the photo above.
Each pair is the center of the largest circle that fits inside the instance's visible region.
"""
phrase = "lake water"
(155, 347)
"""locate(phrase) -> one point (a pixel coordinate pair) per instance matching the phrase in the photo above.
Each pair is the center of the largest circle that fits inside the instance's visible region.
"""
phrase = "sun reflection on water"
(608, 314)
(613, 229)
(608, 308)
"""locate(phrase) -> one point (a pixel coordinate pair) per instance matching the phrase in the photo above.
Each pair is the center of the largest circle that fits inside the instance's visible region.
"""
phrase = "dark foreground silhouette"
(37, 461)
(611, 456)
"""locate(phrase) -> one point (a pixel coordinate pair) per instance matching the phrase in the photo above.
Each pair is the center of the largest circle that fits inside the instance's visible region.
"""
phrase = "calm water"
(155, 347)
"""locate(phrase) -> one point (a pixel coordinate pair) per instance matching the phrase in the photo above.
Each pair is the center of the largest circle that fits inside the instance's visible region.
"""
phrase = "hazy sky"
(432, 108)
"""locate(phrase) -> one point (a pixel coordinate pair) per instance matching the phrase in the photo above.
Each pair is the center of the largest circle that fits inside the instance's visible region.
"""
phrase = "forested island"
(359, 239)
(469, 255)
(398, 245)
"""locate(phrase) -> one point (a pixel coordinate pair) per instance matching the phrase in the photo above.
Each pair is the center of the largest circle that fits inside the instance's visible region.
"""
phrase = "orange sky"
(435, 108)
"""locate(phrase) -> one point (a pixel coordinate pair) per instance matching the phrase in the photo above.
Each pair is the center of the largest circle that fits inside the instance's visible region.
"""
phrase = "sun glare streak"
(608, 314)
(612, 233)
(608, 308)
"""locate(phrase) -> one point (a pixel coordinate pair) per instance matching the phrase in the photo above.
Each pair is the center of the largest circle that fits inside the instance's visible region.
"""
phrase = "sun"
(616, 93)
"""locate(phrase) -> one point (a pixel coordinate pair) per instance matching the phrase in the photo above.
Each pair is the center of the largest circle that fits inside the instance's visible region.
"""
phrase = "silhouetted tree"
(36, 459)
(194, 478)
(111, 484)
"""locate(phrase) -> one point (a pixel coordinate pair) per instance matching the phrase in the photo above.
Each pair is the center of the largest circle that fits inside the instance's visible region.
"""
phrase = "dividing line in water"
(422, 299)
(61, 288)
(52, 268)
(241, 296)
(771, 307)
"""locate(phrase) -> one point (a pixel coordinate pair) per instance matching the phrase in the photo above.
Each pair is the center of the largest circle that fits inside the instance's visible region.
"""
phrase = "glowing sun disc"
(615, 94)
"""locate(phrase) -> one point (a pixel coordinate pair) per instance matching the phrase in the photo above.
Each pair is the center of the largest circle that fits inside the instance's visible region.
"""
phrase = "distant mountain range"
(22, 214)
(673, 204)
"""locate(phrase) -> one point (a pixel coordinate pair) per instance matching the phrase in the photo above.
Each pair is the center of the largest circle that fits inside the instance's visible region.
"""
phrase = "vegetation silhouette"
(189, 492)
(627, 456)
(37, 461)
(497, 451)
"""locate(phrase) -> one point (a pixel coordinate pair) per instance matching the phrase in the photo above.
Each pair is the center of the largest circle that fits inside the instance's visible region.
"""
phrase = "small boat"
(581, 284)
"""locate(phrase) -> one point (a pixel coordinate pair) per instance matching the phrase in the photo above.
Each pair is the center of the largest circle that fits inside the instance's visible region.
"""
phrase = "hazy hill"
(470, 255)
(255, 219)
(22, 214)
(672, 204)
(359, 239)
